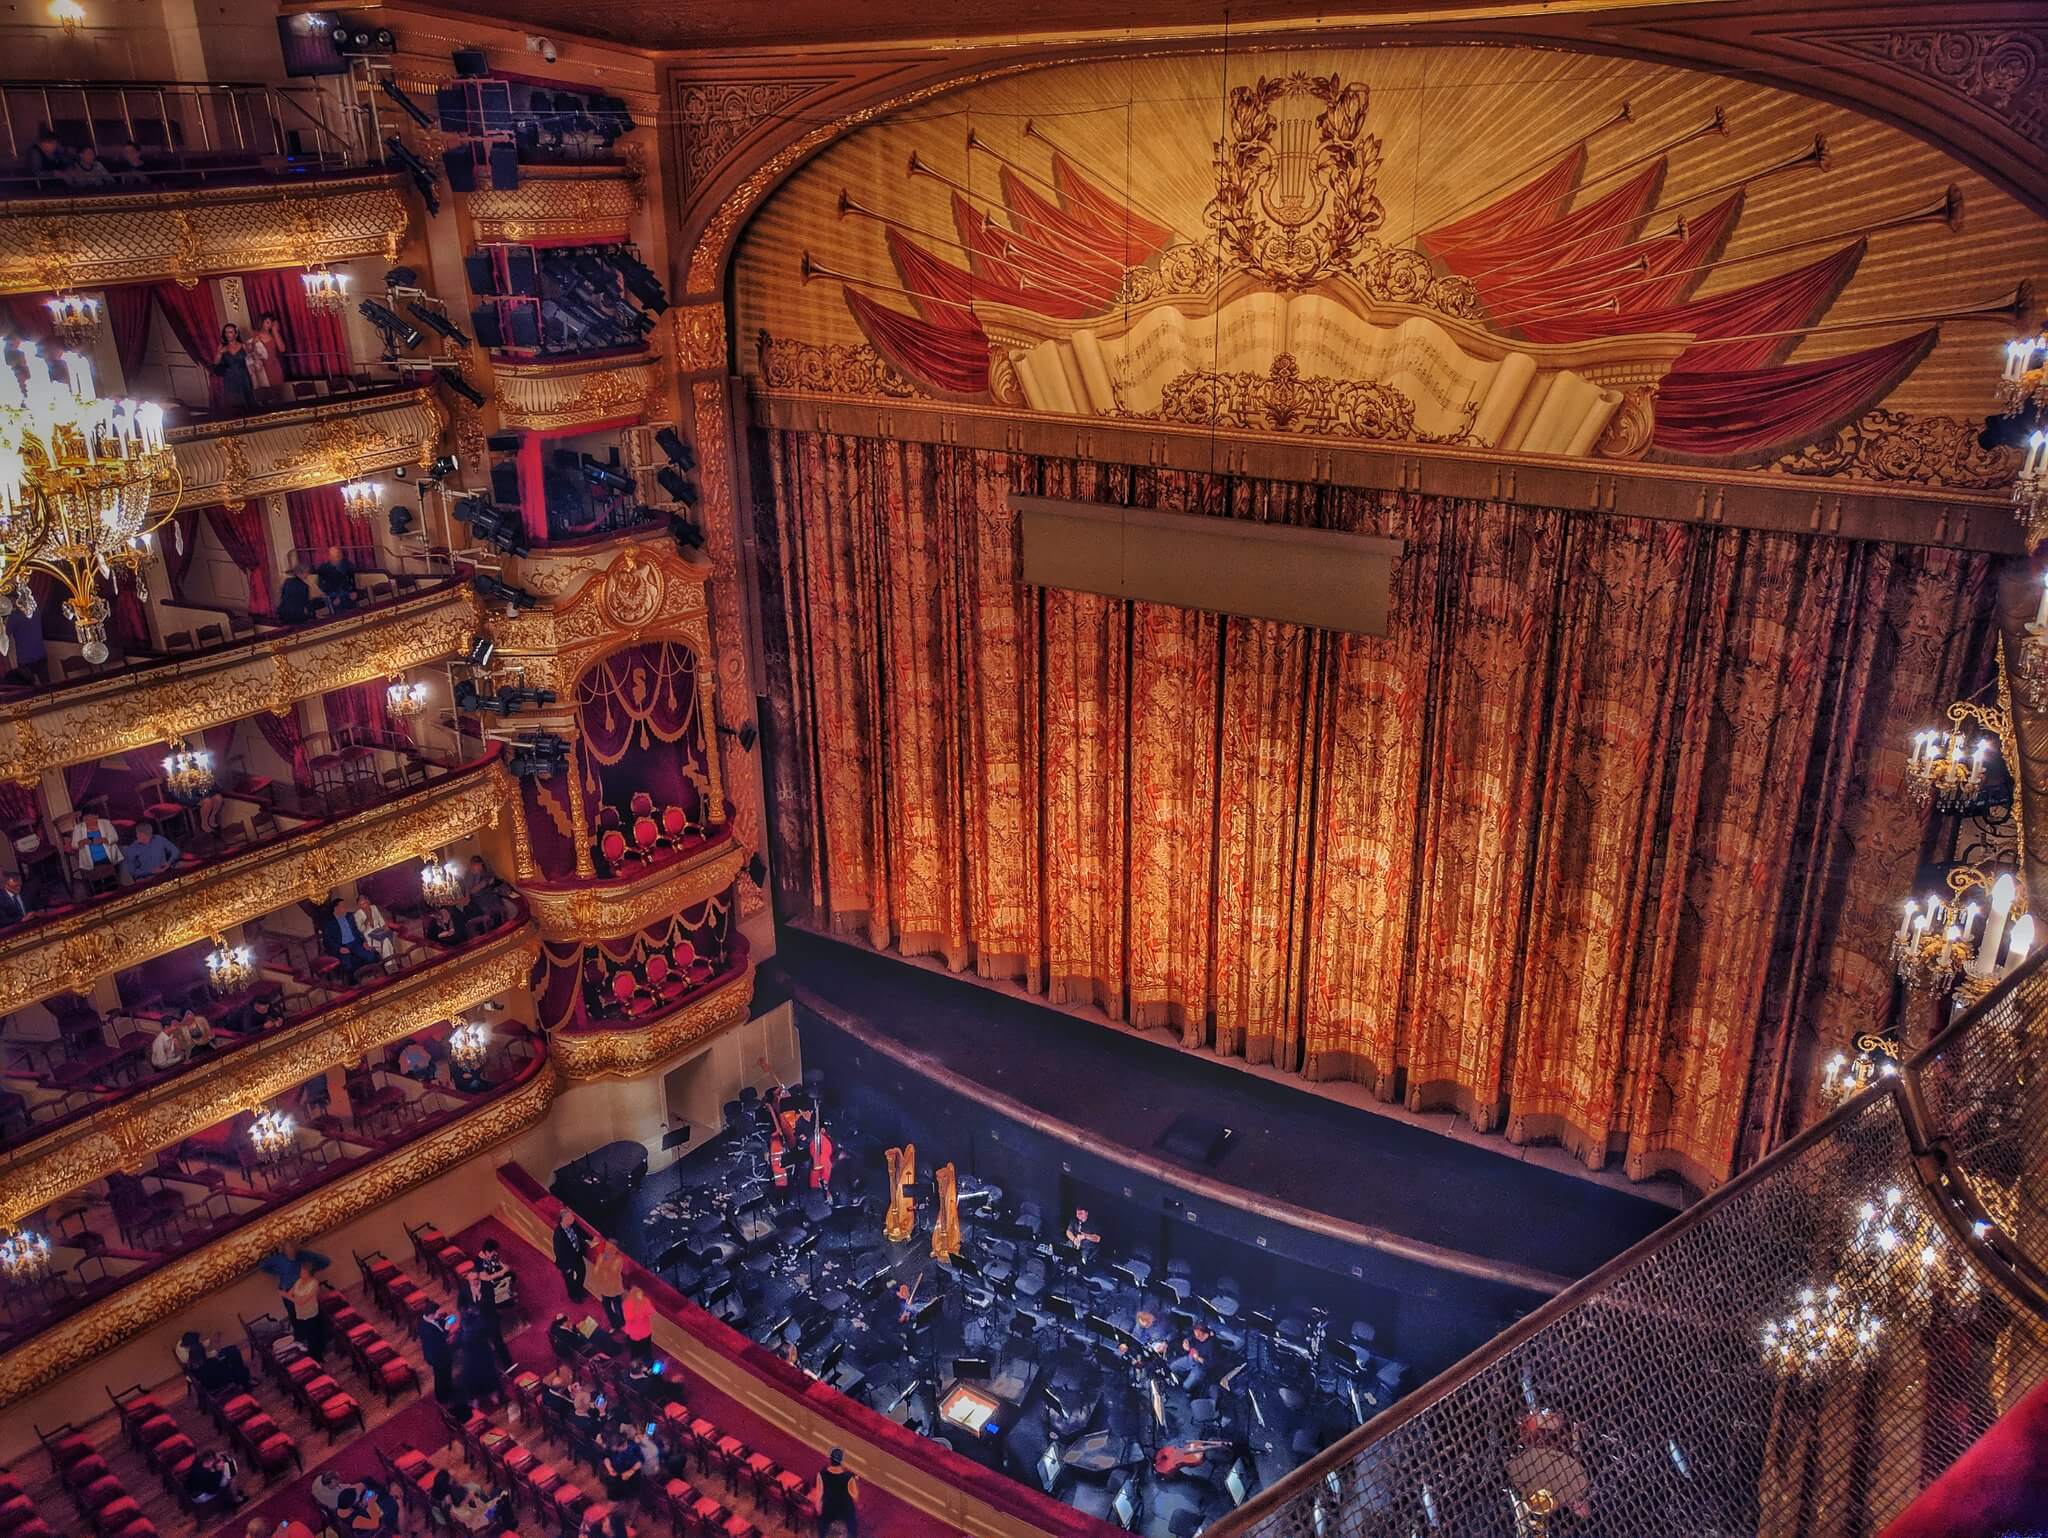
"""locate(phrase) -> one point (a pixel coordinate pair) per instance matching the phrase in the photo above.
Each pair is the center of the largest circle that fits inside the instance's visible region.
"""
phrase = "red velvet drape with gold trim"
(1599, 843)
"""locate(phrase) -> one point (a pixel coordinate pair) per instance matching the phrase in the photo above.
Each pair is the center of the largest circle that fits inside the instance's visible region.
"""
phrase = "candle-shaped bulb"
(2022, 939)
(2003, 890)
(1906, 919)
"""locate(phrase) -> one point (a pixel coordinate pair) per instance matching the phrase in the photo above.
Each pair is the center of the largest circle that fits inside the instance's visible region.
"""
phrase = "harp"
(901, 1218)
(946, 1221)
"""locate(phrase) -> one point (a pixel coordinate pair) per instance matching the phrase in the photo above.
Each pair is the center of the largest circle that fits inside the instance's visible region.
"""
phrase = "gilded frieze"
(135, 1308)
(623, 1052)
(121, 1136)
(97, 717)
(566, 203)
(71, 952)
(192, 233)
(599, 910)
(318, 445)
(541, 397)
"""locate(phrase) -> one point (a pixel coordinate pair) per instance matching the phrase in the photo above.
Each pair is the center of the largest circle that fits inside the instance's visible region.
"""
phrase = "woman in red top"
(639, 1311)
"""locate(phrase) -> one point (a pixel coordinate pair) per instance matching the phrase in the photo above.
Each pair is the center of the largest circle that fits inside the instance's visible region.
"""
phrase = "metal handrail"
(241, 109)
(1945, 1192)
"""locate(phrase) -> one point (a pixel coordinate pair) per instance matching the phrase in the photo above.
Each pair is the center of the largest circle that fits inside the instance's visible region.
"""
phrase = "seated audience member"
(210, 1483)
(376, 929)
(168, 1047)
(198, 1031)
(487, 906)
(48, 159)
(86, 170)
(263, 1013)
(337, 578)
(215, 1370)
(326, 1490)
(416, 1062)
(443, 928)
(284, 1527)
(128, 166)
(15, 906)
(295, 597)
(620, 1464)
(609, 1524)
(340, 938)
(150, 854)
(98, 845)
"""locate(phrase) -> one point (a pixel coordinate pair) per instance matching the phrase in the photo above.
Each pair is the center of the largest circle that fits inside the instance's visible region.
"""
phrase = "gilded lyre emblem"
(901, 1218)
(1296, 179)
(946, 1223)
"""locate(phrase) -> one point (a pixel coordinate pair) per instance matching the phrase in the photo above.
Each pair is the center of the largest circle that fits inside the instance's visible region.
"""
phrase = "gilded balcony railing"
(70, 951)
(597, 909)
(235, 460)
(339, 1197)
(122, 1133)
(1802, 1352)
(162, 701)
(578, 204)
(104, 238)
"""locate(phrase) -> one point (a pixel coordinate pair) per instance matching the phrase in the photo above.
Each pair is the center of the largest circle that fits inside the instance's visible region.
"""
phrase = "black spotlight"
(744, 734)
(757, 870)
(673, 482)
(673, 444)
(686, 532)
(481, 651)
(399, 520)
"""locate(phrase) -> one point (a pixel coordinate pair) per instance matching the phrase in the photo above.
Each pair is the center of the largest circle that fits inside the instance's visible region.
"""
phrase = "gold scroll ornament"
(901, 1220)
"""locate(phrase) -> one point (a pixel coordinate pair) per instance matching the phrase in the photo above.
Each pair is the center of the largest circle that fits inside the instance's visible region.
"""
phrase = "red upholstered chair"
(628, 994)
(646, 835)
(611, 846)
(608, 817)
(642, 804)
(675, 826)
(662, 981)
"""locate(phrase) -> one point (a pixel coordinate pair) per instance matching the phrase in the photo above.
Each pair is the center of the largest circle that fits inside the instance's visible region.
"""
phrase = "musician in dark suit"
(572, 1246)
(1198, 1354)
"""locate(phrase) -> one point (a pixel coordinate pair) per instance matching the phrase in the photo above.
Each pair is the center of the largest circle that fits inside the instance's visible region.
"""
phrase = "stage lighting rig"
(424, 179)
(509, 594)
(504, 702)
(745, 734)
(686, 532)
(676, 447)
(535, 755)
(406, 104)
(678, 488)
(499, 526)
(481, 651)
(399, 520)
(598, 473)
(437, 323)
(450, 374)
(395, 331)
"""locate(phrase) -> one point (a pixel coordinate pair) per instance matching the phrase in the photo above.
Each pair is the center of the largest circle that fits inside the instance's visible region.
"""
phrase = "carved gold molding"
(120, 1136)
(700, 338)
(601, 1052)
(552, 571)
(71, 952)
(541, 397)
(600, 910)
(97, 717)
(320, 445)
(558, 203)
(212, 1266)
(127, 237)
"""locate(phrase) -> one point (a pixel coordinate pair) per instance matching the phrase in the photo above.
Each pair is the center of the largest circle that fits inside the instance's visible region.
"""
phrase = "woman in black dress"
(231, 363)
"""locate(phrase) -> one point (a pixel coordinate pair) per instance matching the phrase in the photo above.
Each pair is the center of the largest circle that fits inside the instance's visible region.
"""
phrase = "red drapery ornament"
(318, 521)
(128, 310)
(1738, 415)
(952, 359)
(196, 325)
(242, 535)
(287, 741)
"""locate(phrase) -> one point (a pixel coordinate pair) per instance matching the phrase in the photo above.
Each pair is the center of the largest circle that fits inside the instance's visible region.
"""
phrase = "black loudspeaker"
(497, 100)
(505, 484)
(461, 169)
(521, 275)
(504, 165)
(451, 104)
(471, 63)
(522, 326)
(482, 273)
(504, 443)
(483, 320)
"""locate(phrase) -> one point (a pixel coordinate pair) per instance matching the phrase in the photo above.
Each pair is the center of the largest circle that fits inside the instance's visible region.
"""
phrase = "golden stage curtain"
(1599, 843)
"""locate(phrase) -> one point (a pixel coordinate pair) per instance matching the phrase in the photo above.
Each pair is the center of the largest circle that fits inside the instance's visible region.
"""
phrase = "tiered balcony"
(64, 948)
(404, 622)
(236, 459)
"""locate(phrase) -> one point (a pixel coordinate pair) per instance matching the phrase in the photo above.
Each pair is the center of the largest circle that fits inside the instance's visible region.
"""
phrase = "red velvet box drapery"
(640, 729)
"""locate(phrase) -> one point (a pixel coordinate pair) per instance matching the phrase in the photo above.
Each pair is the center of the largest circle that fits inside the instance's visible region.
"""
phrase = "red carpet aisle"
(540, 1289)
(2000, 1486)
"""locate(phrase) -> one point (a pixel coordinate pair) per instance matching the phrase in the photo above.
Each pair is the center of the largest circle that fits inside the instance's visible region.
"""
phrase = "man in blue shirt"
(151, 854)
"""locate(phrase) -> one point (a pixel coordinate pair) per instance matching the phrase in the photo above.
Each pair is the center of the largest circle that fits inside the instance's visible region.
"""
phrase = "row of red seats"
(306, 1380)
(103, 1502)
(18, 1516)
(264, 1445)
(375, 1358)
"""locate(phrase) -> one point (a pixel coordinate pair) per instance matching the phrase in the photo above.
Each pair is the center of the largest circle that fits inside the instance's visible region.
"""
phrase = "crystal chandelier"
(403, 701)
(326, 291)
(188, 774)
(1827, 1328)
(24, 1256)
(1902, 1248)
(441, 883)
(75, 320)
(2025, 382)
(1845, 1077)
(230, 968)
(1944, 771)
(362, 499)
(468, 1044)
(83, 483)
(1934, 939)
(271, 1133)
(2030, 490)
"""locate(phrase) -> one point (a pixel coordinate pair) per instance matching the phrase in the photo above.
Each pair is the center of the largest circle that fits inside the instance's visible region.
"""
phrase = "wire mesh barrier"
(1984, 1091)
(1800, 1354)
